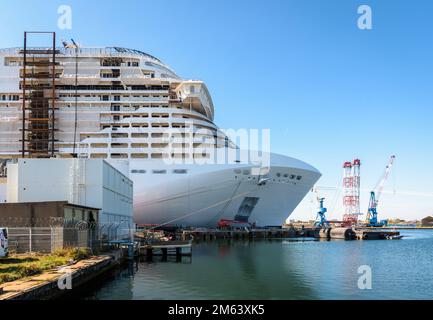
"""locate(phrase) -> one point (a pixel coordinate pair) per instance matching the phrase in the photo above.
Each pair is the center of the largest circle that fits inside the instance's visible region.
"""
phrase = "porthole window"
(159, 171)
(292, 176)
(180, 171)
(286, 175)
(298, 177)
(278, 174)
(138, 171)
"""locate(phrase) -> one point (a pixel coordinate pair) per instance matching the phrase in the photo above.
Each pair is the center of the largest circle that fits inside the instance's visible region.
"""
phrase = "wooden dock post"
(164, 252)
(149, 252)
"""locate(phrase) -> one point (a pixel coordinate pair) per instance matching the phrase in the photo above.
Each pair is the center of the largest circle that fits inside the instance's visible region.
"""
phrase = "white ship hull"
(208, 193)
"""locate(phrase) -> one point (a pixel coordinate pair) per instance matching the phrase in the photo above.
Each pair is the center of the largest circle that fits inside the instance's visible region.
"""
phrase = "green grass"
(18, 266)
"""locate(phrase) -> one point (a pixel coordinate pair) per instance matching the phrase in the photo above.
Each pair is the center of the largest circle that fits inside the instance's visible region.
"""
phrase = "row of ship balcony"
(102, 73)
(154, 135)
(124, 155)
(127, 154)
(114, 101)
(155, 141)
(160, 121)
(117, 90)
(152, 147)
(102, 77)
(131, 114)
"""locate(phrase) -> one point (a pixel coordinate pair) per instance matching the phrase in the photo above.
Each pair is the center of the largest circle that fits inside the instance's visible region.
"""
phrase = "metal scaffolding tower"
(351, 191)
(39, 98)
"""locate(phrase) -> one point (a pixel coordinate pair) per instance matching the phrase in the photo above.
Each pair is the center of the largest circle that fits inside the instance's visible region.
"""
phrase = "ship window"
(159, 125)
(298, 177)
(238, 171)
(98, 155)
(246, 172)
(139, 145)
(180, 155)
(159, 171)
(119, 135)
(292, 176)
(119, 145)
(201, 155)
(180, 171)
(160, 135)
(119, 155)
(99, 145)
(139, 155)
(278, 174)
(138, 171)
(138, 135)
(157, 155)
(286, 175)
(159, 145)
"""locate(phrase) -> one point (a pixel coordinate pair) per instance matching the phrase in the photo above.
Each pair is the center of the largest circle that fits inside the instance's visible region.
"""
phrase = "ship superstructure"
(130, 108)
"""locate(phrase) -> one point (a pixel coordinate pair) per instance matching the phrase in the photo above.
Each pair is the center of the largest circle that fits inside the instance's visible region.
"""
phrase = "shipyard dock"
(290, 233)
(166, 248)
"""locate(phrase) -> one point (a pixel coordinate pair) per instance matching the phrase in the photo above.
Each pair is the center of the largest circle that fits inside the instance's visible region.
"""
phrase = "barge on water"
(203, 234)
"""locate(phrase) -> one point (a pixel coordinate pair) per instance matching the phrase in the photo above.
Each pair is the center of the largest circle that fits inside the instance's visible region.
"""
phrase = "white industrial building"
(86, 182)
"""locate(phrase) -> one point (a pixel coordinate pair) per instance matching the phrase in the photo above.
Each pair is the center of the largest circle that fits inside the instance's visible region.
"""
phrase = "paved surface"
(48, 280)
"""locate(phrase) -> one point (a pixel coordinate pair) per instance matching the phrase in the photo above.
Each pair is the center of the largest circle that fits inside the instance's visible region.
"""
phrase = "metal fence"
(50, 239)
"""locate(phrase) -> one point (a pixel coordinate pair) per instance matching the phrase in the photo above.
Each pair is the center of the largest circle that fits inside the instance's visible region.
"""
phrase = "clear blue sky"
(328, 91)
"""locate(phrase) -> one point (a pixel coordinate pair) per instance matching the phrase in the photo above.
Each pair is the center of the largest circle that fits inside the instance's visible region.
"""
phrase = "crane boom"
(379, 187)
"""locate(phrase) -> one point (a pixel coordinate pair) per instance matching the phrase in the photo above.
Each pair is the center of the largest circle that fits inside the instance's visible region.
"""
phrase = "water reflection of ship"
(239, 270)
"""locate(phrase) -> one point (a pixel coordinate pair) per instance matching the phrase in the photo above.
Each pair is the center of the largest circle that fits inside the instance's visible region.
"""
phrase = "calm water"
(282, 270)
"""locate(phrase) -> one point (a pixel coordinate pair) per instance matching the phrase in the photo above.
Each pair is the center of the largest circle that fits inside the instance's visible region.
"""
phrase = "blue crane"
(372, 220)
(321, 218)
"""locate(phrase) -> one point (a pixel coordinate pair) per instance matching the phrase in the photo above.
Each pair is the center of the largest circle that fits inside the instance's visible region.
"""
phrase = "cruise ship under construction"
(130, 108)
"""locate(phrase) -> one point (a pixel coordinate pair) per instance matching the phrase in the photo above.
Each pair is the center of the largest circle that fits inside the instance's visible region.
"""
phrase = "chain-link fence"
(63, 234)
(3, 170)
